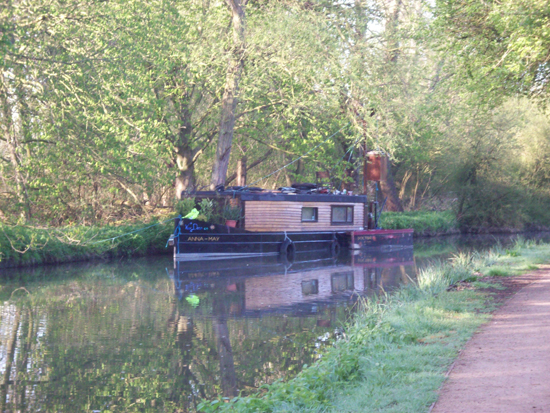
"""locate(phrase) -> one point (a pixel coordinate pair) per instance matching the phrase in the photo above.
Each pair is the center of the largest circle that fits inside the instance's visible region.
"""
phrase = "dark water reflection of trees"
(125, 337)
(119, 338)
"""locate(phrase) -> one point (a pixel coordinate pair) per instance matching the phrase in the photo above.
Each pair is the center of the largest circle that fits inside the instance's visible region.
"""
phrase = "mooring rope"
(176, 233)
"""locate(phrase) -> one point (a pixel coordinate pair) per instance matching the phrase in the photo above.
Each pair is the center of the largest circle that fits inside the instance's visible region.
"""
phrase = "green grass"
(24, 245)
(499, 272)
(423, 222)
(401, 371)
(484, 285)
(397, 348)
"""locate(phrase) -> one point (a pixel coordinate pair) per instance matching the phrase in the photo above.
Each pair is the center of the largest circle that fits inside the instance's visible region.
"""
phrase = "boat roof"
(261, 195)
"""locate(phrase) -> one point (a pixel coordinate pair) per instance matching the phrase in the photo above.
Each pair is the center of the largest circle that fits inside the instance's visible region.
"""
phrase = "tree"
(229, 100)
(502, 46)
(37, 48)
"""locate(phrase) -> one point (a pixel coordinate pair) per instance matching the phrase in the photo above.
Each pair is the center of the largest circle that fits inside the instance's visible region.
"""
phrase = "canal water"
(150, 335)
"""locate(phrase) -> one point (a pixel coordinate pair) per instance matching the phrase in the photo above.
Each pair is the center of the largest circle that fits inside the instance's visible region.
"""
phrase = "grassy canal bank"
(394, 354)
(22, 245)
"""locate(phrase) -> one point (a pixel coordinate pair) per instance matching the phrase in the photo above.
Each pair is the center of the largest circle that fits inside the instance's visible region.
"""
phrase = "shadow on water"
(154, 335)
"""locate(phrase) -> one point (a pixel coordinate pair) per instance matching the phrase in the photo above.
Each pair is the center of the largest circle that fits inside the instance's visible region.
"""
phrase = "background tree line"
(109, 109)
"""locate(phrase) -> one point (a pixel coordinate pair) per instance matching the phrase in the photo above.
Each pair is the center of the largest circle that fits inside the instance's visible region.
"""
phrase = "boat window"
(342, 215)
(310, 287)
(309, 214)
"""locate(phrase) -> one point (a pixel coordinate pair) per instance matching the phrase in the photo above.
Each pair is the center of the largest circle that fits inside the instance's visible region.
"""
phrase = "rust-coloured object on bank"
(377, 166)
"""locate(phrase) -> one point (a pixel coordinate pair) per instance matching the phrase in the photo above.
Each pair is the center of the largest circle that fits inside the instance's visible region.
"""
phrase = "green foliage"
(423, 222)
(184, 206)
(24, 245)
(232, 213)
(499, 272)
(132, 90)
(207, 210)
(502, 45)
(487, 166)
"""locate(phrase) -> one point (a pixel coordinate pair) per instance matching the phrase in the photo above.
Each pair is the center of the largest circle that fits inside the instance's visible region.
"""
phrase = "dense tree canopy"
(507, 42)
(110, 108)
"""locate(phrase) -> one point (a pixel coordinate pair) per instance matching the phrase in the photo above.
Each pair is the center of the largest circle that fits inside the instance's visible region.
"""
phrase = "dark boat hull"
(250, 244)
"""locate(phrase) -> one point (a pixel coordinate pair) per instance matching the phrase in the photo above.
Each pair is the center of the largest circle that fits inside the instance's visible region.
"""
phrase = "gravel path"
(505, 367)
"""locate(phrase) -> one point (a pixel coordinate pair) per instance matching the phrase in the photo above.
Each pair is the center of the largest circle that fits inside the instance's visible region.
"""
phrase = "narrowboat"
(283, 223)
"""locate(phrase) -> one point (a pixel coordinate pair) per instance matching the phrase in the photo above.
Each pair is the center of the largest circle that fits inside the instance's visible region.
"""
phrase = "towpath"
(505, 367)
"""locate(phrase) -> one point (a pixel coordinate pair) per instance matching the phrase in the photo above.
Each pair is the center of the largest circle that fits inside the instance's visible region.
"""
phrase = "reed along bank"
(22, 245)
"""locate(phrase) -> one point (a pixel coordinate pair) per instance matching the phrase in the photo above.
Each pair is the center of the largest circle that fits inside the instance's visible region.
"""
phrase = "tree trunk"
(389, 192)
(229, 100)
(185, 180)
(241, 172)
(10, 134)
(252, 165)
(300, 167)
(392, 23)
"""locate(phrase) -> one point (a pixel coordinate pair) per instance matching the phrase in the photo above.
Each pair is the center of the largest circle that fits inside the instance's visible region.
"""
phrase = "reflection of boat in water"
(269, 284)
(288, 301)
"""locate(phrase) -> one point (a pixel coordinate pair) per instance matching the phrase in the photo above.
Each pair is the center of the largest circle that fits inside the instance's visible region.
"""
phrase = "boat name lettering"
(192, 226)
(364, 238)
(203, 238)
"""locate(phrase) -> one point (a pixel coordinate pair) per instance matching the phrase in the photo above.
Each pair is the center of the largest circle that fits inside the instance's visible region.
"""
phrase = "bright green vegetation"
(395, 352)
(423, 222)
(24, 245)
(110, 109)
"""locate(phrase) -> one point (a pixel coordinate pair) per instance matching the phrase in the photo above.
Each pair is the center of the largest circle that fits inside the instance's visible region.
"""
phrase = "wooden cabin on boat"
(275, 212)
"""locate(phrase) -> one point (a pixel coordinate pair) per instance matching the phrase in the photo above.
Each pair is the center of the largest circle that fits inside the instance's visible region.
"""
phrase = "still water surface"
(151, 335)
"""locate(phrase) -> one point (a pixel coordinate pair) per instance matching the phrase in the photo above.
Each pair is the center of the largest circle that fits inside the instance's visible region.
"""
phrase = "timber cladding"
(287, 216)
